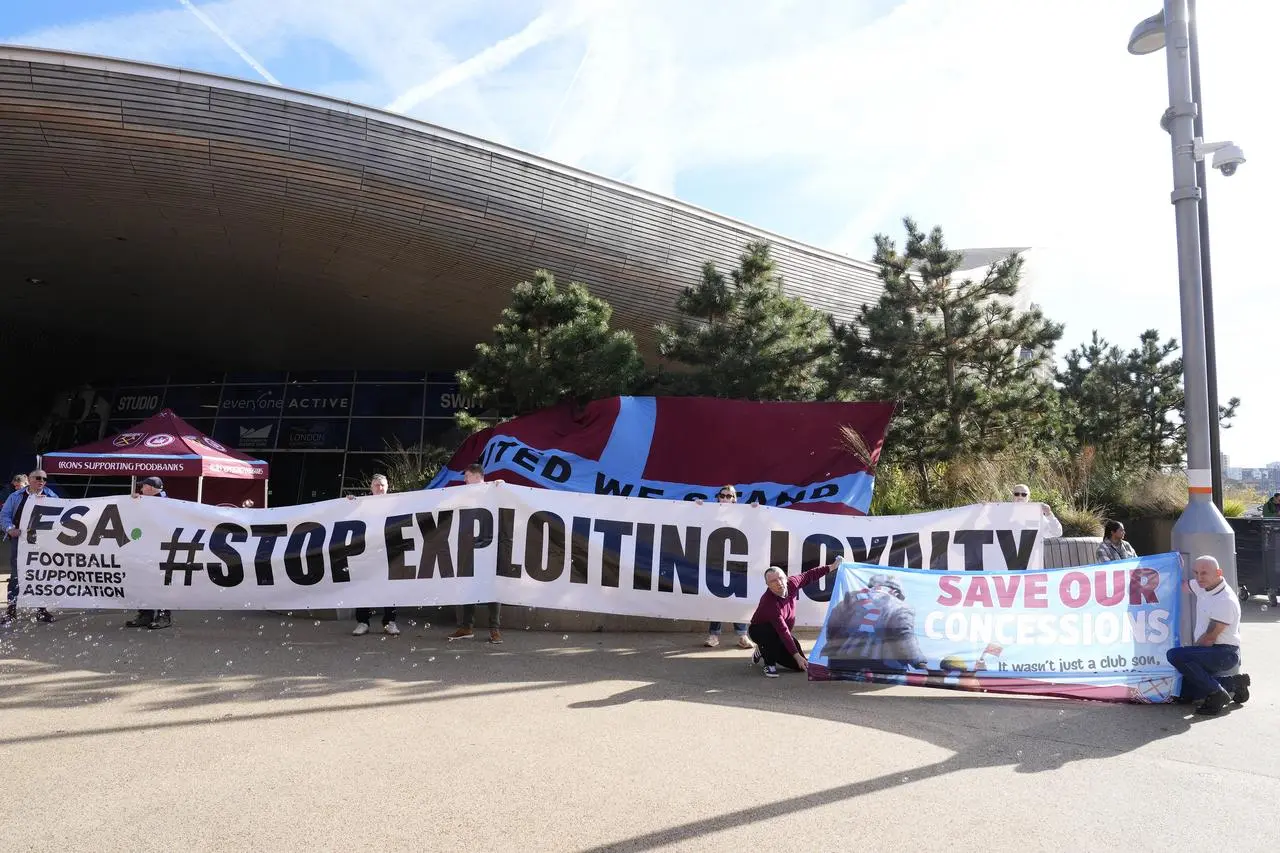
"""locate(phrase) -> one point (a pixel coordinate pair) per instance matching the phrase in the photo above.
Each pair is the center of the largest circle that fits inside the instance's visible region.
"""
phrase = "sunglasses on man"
(40, 479)
(727, 496)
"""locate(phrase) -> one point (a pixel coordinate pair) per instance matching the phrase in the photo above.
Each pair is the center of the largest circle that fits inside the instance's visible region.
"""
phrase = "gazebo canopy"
(164, 445)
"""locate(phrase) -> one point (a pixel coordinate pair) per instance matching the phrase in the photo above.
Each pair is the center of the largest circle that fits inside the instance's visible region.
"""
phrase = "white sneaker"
(391, 628)
(712, 641)
(362, 628)
(744, 642)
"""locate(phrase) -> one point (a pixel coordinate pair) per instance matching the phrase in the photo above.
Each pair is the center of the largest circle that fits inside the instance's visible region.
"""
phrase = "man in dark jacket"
(1271, 508)
(155, 619)
(25, 489)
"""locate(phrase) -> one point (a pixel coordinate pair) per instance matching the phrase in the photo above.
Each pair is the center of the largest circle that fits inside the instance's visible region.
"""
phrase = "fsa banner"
(1095, 632)
(487, 542)
(684, 448)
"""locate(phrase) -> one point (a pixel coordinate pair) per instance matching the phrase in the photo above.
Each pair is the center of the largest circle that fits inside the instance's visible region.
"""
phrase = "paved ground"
(254, 731)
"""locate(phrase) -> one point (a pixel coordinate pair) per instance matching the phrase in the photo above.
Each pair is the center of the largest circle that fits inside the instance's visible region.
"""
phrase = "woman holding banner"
(775, 618)
(726, 495)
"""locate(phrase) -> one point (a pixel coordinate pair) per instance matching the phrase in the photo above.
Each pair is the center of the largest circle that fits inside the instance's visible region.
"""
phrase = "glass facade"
(324, 432)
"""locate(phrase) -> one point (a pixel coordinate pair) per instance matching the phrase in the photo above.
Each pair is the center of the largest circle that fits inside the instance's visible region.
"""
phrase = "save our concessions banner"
(487, 542)
(681, 448)
(1092, 632)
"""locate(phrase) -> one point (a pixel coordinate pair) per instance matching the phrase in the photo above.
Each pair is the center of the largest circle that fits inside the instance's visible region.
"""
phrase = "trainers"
(45, 616)
(362, 628)
(139, 621)
(744, 642)
(462, 634)
(757, 658)
(1214, 704)
(712, 641)
(1241, 694)
(160, 622)
(770, 671)
(391, 628)
(495, 636)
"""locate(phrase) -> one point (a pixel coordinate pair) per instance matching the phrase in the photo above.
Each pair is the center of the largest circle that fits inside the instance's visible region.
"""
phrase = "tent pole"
(266, 490)
(133, 484)
(200, 489)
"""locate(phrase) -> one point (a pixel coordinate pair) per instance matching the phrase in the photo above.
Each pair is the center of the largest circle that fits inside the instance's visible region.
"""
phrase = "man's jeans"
(1198, 664)
(739, 627)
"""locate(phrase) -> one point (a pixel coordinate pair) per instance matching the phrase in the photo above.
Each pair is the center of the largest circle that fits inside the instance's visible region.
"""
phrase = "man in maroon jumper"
(775, 617)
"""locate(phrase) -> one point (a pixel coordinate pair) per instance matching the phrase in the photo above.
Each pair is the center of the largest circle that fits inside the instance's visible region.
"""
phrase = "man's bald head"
(1207, 571)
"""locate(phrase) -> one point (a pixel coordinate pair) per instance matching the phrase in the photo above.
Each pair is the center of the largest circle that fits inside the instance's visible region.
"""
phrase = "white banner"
(488, 542)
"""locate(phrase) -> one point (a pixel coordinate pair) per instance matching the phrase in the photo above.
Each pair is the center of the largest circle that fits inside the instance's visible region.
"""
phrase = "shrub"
(1080, 521)
(1234, 507)
(1152, 494)
(895, 492)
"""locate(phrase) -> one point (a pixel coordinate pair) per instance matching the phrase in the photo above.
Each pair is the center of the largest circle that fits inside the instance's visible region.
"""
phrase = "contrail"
(230, 42)
(488, 60)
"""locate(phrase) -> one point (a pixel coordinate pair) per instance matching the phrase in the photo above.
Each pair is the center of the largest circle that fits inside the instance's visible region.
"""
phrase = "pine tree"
(1130, 406)
(966, 367)
(553, 344)
(1094, 390)
(1156, 393)
(744, 338)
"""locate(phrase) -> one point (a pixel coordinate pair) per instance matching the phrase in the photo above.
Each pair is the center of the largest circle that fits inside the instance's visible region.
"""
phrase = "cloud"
(1005, 121)
(491, 59)
(229, 42)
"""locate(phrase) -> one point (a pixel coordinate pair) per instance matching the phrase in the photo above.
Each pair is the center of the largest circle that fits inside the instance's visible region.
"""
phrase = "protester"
(1113, 546)
(1271, 508)
(471, 476)
(775, 618)
(26, 488)
(1217, 644)
(151, 487)
(1021, 493)
(726, 495)
(378, 485)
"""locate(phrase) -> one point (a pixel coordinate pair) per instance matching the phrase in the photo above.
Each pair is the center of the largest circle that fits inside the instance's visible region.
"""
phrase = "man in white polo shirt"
(1217, 632)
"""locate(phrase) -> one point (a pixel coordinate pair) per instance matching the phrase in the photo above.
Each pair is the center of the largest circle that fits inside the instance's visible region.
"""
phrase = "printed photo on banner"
(1095, 632)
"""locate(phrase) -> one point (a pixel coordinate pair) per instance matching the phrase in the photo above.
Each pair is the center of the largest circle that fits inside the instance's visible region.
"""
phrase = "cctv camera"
(1227, 156)
(1228, 159)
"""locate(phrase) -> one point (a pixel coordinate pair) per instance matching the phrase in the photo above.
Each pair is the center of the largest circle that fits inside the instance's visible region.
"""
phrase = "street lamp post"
(1206, 266)
(1201, 529)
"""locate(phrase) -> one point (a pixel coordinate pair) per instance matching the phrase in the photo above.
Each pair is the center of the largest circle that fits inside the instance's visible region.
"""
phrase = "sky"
(1006, 122)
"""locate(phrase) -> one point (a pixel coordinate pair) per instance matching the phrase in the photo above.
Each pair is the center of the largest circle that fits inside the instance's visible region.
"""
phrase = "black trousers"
(772, 648)
(152, 615)
(364, 614)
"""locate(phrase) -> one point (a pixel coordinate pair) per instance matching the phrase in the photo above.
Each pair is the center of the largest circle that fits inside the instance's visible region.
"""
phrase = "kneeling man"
(1217, 646)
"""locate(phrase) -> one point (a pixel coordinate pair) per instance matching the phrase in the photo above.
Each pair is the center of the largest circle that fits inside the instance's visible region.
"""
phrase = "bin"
(1257, 556)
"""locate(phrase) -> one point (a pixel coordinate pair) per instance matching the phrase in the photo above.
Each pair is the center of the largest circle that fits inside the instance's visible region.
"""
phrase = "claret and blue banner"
(1091, 632)
(791, 454)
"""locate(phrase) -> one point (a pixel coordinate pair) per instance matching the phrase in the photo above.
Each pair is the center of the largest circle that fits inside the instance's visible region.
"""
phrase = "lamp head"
(1148, 35)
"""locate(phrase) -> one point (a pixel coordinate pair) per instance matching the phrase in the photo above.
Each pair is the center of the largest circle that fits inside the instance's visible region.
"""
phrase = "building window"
(382, 434)
(313, 434)
(389, 400)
